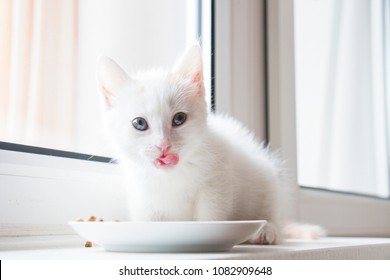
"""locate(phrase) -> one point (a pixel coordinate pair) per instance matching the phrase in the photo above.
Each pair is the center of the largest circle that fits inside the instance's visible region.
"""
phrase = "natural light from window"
(342, 74)
(48, 54)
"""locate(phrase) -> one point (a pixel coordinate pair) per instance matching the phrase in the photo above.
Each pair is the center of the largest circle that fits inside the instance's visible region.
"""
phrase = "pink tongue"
(169, 159)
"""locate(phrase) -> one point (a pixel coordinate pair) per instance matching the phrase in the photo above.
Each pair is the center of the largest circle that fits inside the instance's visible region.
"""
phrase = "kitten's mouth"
(167, 160)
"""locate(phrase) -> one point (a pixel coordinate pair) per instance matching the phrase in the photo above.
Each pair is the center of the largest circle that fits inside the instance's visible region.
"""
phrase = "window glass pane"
(48, 92)
(341, 95)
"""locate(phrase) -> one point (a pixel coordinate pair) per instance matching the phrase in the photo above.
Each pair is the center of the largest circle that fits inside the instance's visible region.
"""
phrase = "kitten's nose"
(164, 147)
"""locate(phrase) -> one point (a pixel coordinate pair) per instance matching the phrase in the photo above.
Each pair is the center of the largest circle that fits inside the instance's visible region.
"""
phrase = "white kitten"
(181, 163)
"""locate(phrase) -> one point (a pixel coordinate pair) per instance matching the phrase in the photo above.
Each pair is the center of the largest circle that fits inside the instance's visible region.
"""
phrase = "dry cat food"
(90, 219)
(94, 219)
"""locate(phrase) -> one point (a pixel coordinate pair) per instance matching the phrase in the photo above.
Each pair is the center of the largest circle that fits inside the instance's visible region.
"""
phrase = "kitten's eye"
(140, 124)
(179, 119)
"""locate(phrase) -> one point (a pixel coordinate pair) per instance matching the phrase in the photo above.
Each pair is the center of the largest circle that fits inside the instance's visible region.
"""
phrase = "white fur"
(223, 172)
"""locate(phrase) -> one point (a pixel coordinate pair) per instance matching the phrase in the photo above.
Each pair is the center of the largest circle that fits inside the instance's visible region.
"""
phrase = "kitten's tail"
(303, 231)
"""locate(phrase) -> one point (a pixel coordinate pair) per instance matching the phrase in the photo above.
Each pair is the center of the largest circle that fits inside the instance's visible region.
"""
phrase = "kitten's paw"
(266, 236)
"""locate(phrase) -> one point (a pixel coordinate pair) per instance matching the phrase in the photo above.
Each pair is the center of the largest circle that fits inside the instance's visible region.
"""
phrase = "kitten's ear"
(111, 78)
(190, 66)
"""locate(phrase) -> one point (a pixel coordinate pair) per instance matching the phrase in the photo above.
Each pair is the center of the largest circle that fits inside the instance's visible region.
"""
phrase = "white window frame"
(41, 193)
(340, 214)
(240, 63)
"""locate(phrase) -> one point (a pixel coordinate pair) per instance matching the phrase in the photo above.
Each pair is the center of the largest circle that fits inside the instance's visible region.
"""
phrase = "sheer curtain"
(37, 71)
(48, 52)
(341, 114)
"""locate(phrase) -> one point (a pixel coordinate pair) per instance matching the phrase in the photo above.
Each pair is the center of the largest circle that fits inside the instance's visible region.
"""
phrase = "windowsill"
(71, 247)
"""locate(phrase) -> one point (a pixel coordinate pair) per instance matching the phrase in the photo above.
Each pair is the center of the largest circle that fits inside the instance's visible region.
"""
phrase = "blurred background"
(48, 54)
